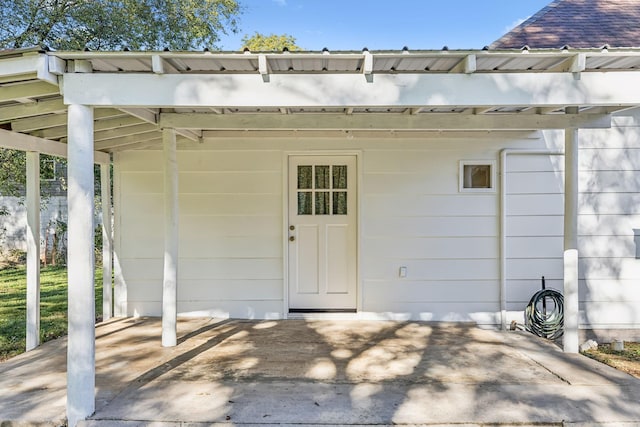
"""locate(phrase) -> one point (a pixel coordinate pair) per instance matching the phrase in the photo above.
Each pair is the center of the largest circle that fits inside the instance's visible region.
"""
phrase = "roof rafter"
(55, 120)
(24, 92)
(22, 142)
(13, 112)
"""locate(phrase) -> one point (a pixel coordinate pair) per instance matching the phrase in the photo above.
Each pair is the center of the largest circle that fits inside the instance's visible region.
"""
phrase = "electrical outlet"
(402, 272)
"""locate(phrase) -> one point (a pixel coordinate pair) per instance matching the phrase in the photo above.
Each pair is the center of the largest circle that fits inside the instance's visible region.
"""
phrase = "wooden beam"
(192, 135)
(360, 134)
(26, 91)
(367, 66)
(122, 124)
(263, 67)
(48, 106)
(575, 63)
(43, 72)
(18, 79)
(145, 114)
(161, 65)
(124, 131)
(614, 88)
(26, 64)
(467, 65)
(382, 121)
(80, 66)
(152, 143)
(57, 66)
(55, 120)
(157, 64)
(36, 65)
(127, 140)
(22, 142)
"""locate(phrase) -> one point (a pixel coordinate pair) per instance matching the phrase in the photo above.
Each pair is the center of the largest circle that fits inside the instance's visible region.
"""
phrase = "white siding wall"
(411, 214)
(609, 213)
(230, 232)
(534, 226)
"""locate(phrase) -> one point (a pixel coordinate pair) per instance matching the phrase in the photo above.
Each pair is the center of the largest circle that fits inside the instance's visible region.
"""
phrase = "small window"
(477, 175)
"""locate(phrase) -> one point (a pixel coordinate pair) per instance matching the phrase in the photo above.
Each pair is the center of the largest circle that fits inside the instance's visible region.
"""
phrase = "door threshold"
(316, 314)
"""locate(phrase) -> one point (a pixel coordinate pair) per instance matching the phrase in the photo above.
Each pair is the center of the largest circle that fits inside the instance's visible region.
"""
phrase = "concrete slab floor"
(342, 372)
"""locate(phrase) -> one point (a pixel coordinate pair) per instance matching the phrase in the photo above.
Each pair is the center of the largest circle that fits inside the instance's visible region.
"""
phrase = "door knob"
(292, 238)
(292, 227)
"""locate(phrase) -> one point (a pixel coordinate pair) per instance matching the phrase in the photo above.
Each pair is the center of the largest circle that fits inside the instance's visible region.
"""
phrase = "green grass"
(53, 306)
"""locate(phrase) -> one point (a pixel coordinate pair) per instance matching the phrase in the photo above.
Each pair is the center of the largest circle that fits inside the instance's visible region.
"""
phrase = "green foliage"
(271, 43)
(53, 307)
(116, 24)
(12, 172)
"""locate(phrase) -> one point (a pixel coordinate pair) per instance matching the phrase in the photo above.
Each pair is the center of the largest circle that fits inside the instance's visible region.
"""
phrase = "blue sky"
(388, 24)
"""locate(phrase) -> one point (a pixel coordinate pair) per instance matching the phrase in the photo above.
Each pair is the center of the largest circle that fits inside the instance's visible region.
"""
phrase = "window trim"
(492, 172)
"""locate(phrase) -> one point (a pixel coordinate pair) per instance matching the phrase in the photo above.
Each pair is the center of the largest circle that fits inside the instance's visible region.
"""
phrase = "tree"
(107, 25)
(12, 172)
(117, 24)
(272, 43)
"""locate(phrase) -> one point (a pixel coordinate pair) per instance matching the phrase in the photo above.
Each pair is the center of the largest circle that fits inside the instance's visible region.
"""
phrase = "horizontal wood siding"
(412, 215)
(230, 240)
(609, 211)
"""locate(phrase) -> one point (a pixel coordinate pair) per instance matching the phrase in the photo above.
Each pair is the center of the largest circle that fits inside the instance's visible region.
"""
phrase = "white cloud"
(280, 2)
(515, 24)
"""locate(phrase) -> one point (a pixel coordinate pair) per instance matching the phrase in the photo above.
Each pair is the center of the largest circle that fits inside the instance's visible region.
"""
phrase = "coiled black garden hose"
(543, 319)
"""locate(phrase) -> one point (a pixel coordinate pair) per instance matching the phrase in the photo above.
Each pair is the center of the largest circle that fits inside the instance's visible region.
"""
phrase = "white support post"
(33, 250)
(571, 298)
(119, 283)
(81, 311)
(107, 242)
(170, 280)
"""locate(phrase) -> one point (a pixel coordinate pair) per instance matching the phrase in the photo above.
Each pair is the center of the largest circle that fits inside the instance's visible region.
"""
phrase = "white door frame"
(285, 220)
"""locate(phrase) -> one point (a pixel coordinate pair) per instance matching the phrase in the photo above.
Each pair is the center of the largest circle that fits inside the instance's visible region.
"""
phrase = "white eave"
(201, 93)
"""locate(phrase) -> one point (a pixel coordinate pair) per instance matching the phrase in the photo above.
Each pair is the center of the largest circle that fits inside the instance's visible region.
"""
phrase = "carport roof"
(33, 81)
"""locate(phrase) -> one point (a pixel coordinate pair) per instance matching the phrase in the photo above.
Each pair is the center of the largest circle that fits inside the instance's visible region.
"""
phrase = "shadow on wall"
(609, 215)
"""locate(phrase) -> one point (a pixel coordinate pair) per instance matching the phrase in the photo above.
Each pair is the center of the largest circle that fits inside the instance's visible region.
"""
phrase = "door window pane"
(304, 177)
(340, 177)
(305, 203)
(322, 203)
(340, 203)
(322, 177)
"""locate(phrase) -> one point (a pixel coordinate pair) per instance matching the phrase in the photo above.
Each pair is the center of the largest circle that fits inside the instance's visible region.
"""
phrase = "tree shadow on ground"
(356, 372)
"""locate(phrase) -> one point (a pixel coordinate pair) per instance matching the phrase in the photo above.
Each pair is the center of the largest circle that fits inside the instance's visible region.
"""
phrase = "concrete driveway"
(342, 372)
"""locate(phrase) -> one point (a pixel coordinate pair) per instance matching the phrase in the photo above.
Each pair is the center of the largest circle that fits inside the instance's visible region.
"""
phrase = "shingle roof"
(578, 24)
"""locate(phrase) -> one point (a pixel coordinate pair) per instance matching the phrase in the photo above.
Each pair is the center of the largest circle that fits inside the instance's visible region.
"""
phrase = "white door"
(322, 233)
